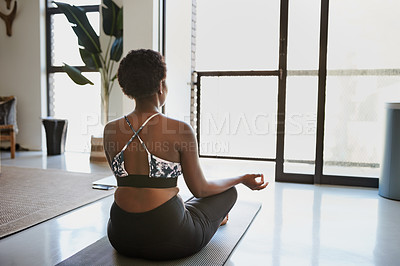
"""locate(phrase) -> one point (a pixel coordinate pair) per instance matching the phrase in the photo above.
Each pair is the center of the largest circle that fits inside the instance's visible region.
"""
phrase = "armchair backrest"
(8, 111)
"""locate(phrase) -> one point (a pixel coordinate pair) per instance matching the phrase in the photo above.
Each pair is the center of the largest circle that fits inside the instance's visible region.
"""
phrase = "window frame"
(50, 69)
(282, 72)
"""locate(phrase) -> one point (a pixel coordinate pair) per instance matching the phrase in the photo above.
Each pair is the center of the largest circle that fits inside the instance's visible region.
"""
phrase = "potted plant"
(90, 49)
(93, 56)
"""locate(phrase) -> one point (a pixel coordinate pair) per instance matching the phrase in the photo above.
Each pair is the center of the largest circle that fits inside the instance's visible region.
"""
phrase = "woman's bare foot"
(224, 221)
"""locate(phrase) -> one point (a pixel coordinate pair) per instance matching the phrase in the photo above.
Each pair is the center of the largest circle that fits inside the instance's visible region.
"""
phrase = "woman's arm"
(194, 177)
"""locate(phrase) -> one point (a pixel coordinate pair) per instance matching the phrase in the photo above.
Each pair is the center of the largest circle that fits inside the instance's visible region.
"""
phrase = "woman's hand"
(250, 181)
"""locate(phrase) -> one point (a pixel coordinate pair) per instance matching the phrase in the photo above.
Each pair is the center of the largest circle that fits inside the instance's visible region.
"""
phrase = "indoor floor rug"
(215, 253)
(29, 196)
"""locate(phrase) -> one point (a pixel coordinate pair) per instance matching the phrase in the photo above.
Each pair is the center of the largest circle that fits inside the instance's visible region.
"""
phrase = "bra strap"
(129, 124)
(136, 133)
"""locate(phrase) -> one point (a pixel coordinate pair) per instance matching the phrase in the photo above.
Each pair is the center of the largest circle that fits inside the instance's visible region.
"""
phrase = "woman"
(147, 151)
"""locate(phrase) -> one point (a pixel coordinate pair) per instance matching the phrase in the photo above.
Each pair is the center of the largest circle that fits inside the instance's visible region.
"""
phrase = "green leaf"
(120, 22)
(76, 75)
(116, 49)
(87, 37)
(91, 60)
(110, 18)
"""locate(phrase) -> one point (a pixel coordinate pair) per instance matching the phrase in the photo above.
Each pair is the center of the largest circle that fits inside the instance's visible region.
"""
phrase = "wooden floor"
(297, 225)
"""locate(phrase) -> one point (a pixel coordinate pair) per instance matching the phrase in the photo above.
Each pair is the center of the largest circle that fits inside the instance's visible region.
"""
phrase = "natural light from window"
(80, 105)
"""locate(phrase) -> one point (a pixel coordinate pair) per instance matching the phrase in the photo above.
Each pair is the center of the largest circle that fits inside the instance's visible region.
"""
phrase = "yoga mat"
(29, 196)
(215, 253)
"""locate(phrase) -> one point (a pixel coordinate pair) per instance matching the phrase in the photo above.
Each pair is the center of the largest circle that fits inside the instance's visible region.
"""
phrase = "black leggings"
(173, 230)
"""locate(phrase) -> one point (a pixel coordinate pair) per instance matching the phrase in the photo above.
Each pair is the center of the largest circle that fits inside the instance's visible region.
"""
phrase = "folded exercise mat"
(215, 253)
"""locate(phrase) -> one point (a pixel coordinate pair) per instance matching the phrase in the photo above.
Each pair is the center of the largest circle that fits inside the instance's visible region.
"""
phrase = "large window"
(238, 106)
(80, 105)
(314, 74)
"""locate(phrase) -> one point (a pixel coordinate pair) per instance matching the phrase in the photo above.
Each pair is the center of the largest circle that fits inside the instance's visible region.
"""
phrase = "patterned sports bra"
(162, 173)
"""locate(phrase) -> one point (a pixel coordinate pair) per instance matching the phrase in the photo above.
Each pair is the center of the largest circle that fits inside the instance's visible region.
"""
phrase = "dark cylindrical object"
(56, 134)
(389, 181)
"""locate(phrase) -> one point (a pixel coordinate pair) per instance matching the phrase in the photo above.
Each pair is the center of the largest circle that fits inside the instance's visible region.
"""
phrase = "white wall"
(140, 31)
(115, 108)
(22, 69)
(178, 58)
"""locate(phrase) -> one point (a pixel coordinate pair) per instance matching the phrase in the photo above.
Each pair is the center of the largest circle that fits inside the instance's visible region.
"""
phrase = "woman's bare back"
(161, 138)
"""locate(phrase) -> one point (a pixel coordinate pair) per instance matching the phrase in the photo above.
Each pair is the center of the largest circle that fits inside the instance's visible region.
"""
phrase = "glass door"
(342, 97)
(363, 75)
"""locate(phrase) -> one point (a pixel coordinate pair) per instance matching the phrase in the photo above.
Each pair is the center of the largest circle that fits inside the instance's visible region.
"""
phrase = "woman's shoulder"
(116, 120)
(168, 125)
(179, 126)
(112, 126)
(178, 131)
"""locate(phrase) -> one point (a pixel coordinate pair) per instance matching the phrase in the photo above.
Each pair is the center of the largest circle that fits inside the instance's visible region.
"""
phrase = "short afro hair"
(140, 73)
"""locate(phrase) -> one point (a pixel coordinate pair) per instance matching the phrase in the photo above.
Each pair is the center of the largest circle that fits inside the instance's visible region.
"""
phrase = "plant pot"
(97, 150)
(56, 134)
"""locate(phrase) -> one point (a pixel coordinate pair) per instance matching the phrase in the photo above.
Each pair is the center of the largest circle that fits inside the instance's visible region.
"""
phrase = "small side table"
(56, 134)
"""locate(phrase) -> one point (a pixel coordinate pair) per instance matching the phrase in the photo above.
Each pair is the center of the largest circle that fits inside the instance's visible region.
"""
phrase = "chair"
(8, 121)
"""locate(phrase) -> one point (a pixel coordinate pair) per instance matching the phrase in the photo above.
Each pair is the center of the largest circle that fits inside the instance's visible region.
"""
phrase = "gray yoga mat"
(216, 252)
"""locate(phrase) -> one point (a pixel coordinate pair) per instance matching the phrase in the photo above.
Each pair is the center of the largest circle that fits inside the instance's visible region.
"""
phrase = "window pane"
(364, 34)
(303, 32)
(300, 124)
(238, 116)
(77, 2)
(354, 123)
(80, 105)
(237, 35)
(65, 48)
